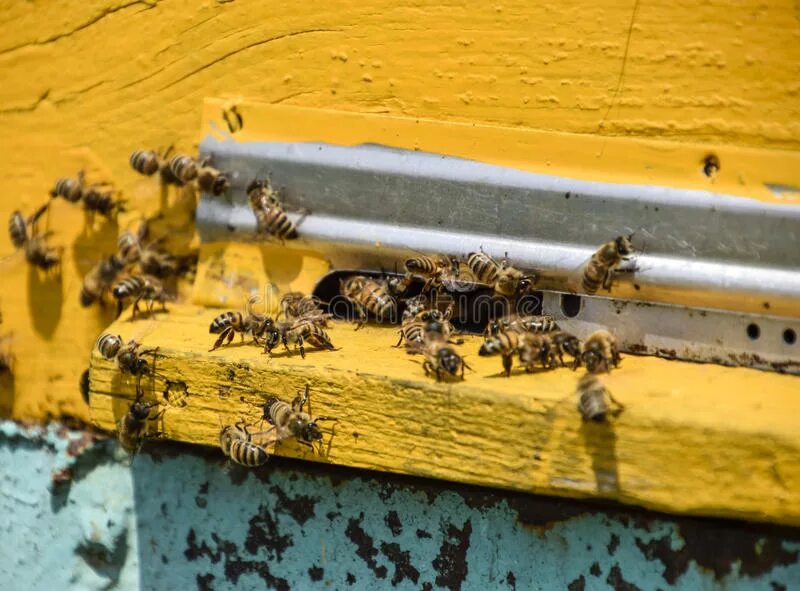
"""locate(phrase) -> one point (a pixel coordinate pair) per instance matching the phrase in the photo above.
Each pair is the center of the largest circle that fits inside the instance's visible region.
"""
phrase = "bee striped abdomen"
(108, 345)
(504, 343)
(101, 202)
(128, 246)
(594, 275)
(69, 189)
(592, 396)
(129, 287)
(277, 412)
(145, 162)
(376, 300)
(184, 168)
(276, 222)
(483, 267)
(247, 453)
(413, 332)
(17, 229)
(225, 320)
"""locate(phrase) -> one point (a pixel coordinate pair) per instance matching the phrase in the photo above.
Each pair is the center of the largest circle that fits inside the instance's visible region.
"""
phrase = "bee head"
(311, 432)
(141, 410)
(272, 338)
(221, 184)
(449, 360)
(591, 359)
(624, 246)
(257, 184)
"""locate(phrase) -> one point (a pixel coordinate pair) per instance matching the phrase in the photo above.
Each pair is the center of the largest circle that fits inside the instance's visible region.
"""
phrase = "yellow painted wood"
(694, 438)
(84, 83)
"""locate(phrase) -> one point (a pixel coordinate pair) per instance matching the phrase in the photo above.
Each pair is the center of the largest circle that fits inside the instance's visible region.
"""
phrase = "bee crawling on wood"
(127, 355)
(296, 305)
(132, 428)
(414, 328)
(25, 235)
(599, 352)
(237, 444)
(140, 287)
(151, 259)
(566, 343)
(69, 188)
(520, 324)
(600, 269)
(594, 399)
(505, 343)
(441, 358)
(537, 347)
(96, 199)
(369, 296)
(227, 324)
(148, 162)
(290, 420)
(297, 332)
(99, 279)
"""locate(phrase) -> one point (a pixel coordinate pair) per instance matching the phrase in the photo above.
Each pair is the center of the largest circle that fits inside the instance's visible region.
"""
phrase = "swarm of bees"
(96, 198)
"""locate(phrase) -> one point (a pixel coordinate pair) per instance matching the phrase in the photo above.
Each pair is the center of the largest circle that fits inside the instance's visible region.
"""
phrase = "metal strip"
(372, 204)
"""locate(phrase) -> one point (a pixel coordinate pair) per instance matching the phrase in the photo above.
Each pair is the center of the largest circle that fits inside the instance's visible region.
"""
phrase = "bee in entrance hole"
(600, 269)
(595, 400)
(140, 287)
(127, 355)
(505, 343)
(132, 428)
(599, 352)
(369, 296)
(227, 324)
(237, 444)
(271, 217)
(298, 332)
(290, 420)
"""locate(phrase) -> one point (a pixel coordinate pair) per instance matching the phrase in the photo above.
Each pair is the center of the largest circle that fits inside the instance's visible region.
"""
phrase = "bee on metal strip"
(237, 444)
(599, 352)
(600, 269)
(290, 420)
(368, 296)
(211, 180)
(271, 217)
(227, 324)
(595, 400)
(506, 280)
(139, 287)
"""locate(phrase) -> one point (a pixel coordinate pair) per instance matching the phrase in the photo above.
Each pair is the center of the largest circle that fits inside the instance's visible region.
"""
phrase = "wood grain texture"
(683, 444)
(85, 83)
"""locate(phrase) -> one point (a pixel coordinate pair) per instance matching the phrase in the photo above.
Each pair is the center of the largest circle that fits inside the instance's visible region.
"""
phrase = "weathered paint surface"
(182, 521)
(85, 83)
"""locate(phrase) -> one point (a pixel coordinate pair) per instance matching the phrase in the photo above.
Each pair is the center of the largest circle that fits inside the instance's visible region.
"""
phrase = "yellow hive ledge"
(694, 438)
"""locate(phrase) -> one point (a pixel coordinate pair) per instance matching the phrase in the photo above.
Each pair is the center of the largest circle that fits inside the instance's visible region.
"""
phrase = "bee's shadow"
(45, 299)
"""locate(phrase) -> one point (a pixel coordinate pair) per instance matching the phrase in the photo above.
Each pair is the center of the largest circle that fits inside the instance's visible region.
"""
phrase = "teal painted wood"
(75, 514)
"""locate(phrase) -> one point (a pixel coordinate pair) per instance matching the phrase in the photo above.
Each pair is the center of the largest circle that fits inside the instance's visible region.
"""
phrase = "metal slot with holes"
(370, 206)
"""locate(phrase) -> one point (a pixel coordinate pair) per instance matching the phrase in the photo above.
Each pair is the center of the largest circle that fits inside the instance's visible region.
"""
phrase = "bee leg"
(119, 307)
(399, 342)
(302, 348)
(221, 338)
(620, 406)
(231, 334)
(507, 361)
(608, 279)
(438, 375)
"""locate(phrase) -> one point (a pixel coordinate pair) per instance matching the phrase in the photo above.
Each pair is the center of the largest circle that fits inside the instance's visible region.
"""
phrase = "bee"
(39, 254)
(502, 277)
(295, 305)
(70, 189)
(290, 420)
(414, 306)
(604, 264)
(435, 270)
(100, 278)
(237, 443)
(19, 228)
(146, 162)
(6, 356)
(233, 119)
(505, 343)
(152, 260)
(84, 385)
(97, 201)
(368, 295)
(425, 326)
(183, 168)
(298, 333)
(599, 352)
(535, 348)
(564, 342)
(594, 398)
(127, 355)
(271, 218)
(139, 287)
(520, 324)
(211, 180)
(132, 428)
(441, 359)
(226, 325)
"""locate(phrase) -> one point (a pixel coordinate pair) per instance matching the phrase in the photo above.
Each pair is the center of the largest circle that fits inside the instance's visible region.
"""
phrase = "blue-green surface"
(176, 520)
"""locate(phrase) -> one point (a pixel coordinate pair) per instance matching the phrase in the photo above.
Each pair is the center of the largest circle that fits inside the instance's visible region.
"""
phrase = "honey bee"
(505, 343)
(233, 119)
(599, 352)
(226, 325)
(271, 217)
(298, 332)
(296, 305)
(68, 188)
(19, 227)
(84, 385)
(237, 444)
(425, 326)
(566, 343)
(152, 260)
(132, 428)
(24, 234)
(605, 263)
(594, 399)
(506, 280)
(520, 324)
(139, 287)
(368, 295)
(146, 162)
(211, 180)
(127, 355)
(539, 348)
(290, 420)
(184, 168)
(100, 278)
(414, 306)
(6, 356)
(441, 358)
(96, 200)
(435, 270)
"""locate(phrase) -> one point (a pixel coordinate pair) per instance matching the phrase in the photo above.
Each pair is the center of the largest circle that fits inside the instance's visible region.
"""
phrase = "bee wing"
(269, 439)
